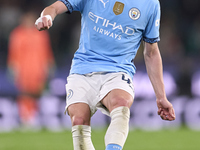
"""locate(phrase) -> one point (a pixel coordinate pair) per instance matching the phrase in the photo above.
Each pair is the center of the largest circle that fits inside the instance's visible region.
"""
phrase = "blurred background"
(34, 66)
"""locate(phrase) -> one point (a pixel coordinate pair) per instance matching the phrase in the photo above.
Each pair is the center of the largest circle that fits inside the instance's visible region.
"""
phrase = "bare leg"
(81, 130)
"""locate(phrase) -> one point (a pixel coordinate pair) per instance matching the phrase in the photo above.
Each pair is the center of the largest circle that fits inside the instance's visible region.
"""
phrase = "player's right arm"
(45, 21)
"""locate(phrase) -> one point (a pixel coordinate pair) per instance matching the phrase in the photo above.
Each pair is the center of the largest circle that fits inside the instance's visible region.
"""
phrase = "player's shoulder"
(152, 3)
(148, 2)
(155, 2)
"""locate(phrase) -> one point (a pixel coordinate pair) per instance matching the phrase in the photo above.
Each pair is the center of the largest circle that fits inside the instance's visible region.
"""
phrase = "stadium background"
(180, 49)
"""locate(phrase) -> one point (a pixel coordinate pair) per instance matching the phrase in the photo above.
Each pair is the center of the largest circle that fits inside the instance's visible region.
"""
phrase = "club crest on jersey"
(118, 8)
(69, 94)
(134, 13)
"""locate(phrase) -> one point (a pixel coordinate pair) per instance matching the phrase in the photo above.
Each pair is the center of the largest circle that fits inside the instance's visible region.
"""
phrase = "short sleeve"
(74, 5)
(151, 33)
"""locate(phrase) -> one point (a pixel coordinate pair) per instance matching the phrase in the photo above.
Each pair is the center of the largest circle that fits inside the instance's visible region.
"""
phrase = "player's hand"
(44, 22)
(165, 109)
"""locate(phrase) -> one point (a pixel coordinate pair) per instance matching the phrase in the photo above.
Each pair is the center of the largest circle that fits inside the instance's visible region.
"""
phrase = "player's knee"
(76, 120)
(120, 101)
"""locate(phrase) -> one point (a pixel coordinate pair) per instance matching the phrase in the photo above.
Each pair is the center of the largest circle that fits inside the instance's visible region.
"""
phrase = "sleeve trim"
(68, 5)
(151, 40)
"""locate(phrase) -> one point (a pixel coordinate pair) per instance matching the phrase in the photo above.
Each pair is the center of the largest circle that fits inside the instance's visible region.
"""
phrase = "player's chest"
(125, 12)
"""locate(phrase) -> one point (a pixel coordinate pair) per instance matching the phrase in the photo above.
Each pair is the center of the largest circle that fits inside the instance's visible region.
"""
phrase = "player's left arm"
(154, 68)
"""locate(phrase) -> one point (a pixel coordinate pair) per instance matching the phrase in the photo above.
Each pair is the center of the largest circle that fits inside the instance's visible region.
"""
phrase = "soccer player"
(102, 68)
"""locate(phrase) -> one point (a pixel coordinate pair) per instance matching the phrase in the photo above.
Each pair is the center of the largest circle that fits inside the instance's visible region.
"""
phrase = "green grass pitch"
(181, 139)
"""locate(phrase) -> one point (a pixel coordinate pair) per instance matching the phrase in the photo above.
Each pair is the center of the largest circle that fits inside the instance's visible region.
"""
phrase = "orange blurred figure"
(29, 58)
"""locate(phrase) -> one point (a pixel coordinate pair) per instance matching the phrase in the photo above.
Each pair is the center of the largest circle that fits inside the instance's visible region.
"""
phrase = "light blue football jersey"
(111, 33)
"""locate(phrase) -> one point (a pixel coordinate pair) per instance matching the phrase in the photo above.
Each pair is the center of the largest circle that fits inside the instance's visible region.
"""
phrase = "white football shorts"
(92, 88)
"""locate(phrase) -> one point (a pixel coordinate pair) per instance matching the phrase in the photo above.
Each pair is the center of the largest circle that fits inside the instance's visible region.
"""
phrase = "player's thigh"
(79, 113)
(117, 98)
(118, 91)
(79, 90)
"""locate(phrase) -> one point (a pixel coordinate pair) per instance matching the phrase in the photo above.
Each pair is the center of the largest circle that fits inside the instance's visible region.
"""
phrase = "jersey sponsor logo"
(69, 94)
(103, 23)
(104, 3)
(134, 13)
(107, 33)
(118, 8)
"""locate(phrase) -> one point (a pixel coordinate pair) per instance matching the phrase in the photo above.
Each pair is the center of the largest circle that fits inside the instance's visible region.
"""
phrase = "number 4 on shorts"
(127, 80)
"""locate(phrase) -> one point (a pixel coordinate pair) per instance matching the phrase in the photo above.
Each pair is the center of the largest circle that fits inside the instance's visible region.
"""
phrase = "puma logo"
(104, 3)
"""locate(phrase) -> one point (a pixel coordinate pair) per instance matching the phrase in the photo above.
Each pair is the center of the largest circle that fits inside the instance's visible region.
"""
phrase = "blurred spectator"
(29, 59)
